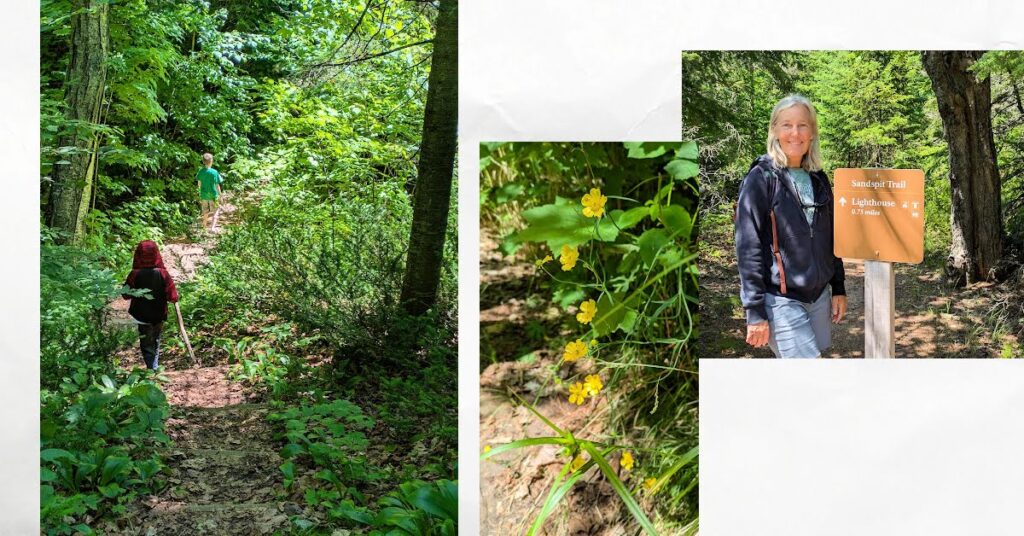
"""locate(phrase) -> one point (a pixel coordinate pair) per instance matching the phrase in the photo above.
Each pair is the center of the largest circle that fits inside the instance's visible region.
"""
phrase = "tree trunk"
(965, 104)
(83, 96)
(434, 171)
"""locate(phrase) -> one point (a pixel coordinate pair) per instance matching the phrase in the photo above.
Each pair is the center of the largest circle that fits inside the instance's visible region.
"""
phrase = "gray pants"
(799, 329)
(149, 342)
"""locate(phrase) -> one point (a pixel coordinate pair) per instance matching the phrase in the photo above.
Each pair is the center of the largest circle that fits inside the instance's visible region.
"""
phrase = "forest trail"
(222, 466)
(933, 320)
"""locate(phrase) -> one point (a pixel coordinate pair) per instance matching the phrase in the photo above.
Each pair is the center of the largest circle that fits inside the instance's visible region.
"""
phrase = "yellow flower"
(649, 484)
(574, 350)
(541, 262)
(593, 342)
(627, 461)
(593, 203)
(577, 394)
(568, 257)
(587, 311)
(577, 462)
(487, 449)
(593, 384)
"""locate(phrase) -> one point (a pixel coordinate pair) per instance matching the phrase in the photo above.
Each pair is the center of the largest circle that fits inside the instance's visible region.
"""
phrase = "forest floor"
(222, 468)
(516, 362)
(933, 320)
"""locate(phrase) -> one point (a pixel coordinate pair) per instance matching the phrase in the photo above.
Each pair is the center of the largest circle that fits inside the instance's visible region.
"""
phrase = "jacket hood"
(764, 162)
(147, 255)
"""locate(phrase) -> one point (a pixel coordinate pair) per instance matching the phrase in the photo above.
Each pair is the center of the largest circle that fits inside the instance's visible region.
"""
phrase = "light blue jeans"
(799, 329)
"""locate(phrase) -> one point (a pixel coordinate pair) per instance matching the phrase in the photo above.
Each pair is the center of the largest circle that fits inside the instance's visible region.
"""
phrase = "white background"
(609, 70)
(865, 447)
(19, 269)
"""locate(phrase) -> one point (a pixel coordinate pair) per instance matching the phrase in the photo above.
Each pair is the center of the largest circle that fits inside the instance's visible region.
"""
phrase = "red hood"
(147, 255)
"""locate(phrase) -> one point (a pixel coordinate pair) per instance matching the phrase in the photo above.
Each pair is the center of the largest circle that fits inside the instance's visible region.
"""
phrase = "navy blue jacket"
(806, 249)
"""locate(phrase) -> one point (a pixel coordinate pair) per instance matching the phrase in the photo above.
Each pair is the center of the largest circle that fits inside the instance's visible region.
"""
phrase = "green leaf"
(111, 490)
(562, 223)
(552, 500)
(620, 488)
(114, 467)
(51, 455)
(508, 192)
(606, 323)
(688, 151)
(677, 220)
(681, 170)
(648, 149)
(558, 491)
(439, 499)
(348, 510)
(291, 450)
(528, 442)
(288, 469)
(663, 479)
(627, 219)
(628, 323)
(650, 244)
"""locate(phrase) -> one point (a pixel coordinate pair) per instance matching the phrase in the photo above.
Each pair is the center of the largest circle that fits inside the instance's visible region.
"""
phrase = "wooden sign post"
(879, 217)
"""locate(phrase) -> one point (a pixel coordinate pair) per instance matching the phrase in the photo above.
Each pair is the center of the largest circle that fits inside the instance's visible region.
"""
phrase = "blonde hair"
(812, 160)
(207, 158)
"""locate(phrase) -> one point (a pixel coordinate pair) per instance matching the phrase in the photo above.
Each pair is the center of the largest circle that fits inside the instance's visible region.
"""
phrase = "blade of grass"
(528, 442)
(620, 488)
(541, 417)
(686, 459)
(646, 284)
(550, 502)
(558, 492)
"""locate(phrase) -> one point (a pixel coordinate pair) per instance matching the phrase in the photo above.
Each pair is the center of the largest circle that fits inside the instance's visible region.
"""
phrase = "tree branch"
(375, 55)
(352, 32)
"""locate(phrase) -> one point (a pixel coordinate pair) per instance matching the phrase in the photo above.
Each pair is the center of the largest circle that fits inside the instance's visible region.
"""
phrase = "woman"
(784, 239)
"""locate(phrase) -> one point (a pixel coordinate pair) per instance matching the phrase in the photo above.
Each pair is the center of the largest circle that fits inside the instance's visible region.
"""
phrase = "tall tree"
(73, 178)
(434, 171)
(965, 105)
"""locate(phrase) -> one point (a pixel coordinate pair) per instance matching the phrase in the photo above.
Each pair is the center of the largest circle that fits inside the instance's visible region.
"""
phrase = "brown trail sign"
(879, 217)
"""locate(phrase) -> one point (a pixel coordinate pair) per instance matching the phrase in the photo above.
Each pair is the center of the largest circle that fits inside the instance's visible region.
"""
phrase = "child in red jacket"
(150, 312)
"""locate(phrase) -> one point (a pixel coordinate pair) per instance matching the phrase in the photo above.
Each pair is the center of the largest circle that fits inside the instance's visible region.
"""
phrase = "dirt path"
(222, 469)
(932, 319)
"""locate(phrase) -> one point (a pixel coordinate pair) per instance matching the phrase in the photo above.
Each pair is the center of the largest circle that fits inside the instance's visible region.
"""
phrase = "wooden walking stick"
(184, 336)
(216, 213)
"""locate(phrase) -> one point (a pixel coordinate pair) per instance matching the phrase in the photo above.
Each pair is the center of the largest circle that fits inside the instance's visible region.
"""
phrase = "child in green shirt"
(209, 181)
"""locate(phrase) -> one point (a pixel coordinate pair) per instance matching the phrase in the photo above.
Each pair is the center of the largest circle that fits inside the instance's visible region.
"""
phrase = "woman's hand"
(757, 334)
(838, 309)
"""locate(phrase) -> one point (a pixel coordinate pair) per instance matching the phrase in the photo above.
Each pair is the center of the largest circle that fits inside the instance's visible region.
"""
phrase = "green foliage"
(419, 508)
(875, 109)
(74, 290)
(416, 508)
(872, 107)
(98, 434)
(331, 436)
(636, 263)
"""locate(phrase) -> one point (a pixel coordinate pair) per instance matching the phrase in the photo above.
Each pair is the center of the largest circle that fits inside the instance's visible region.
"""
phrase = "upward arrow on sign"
(842, 201)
